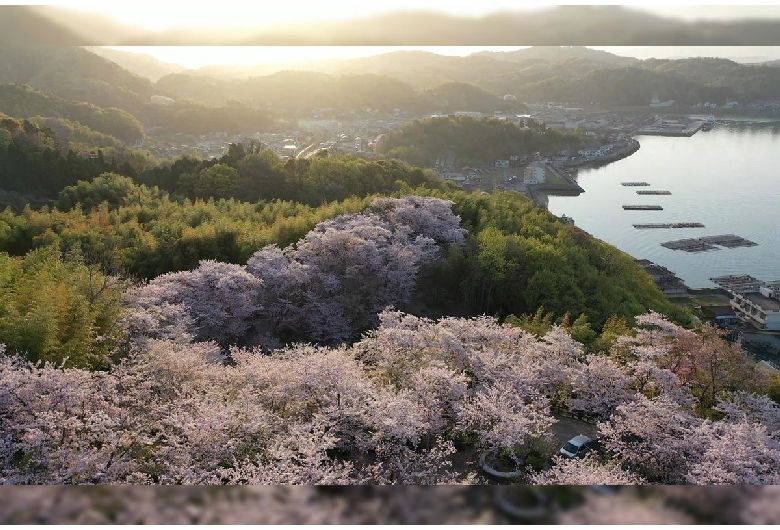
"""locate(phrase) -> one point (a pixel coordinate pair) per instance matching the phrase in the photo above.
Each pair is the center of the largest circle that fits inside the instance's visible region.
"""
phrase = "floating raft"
(653, 192)
(670, 225)
(729, 241)
(634, 184)
(642, 207)
(703, 244)
(738, 283)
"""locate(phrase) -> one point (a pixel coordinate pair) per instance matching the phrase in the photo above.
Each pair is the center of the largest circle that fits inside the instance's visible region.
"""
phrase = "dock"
(653, 192)
(634, 184)
(666, 127)
(666, 280)
(738, 283)
(642, 207)
(704, 244)
(669, 225)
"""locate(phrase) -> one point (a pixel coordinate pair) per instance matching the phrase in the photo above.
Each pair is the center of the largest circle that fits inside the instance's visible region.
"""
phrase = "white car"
(577, 446)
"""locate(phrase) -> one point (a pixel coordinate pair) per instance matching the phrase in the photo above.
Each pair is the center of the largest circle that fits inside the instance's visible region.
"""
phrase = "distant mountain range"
(564, 25)
(414, 81)
(75, 74)
(138, 63)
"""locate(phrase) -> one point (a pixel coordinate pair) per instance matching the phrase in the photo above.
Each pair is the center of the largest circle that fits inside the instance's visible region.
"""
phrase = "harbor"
(642, 207)
(666, 280)
(672, 127)
(699, 172)
(669, 225)
(704, 244)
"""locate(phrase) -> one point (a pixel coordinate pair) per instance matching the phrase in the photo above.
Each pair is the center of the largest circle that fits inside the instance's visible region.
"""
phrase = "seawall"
(629, 150)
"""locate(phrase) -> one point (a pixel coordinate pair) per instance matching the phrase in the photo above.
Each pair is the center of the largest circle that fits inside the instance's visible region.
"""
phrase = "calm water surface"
(728, 179)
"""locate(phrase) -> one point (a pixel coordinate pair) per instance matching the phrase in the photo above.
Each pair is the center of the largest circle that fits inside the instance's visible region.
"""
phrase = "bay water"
(727, 178)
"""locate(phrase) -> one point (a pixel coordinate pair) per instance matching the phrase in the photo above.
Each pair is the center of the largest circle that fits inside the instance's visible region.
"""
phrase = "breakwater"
(630, 149)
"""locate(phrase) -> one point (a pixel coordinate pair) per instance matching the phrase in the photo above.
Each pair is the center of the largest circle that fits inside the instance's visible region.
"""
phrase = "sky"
(166, 15)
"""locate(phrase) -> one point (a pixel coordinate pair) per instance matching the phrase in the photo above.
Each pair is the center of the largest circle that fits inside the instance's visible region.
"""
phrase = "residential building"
(761, 311)
(723, 316)
(534, 173)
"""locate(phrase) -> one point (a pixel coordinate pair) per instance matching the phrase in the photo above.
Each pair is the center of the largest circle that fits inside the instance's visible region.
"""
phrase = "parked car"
(578, 446)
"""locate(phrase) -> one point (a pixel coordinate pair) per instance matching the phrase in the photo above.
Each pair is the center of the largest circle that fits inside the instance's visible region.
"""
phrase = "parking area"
(567, 428)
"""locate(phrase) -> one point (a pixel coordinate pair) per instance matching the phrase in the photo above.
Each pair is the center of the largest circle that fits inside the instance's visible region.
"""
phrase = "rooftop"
(765, 303)
(719, 311)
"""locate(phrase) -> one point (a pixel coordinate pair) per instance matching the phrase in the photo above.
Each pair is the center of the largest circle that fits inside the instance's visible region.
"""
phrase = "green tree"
(219, 181)
(581, 330)
(58, 311)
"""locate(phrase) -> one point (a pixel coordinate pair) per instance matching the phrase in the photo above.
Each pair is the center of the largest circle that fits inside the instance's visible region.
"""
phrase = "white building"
(760, 310)
(534, 173)
(161, 100)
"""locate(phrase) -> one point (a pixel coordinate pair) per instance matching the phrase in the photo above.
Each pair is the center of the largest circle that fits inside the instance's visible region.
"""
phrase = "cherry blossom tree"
(425, 216)
(736, 453)
(502, 419)
(585, 472)
(704, 362)
(600, 386)
(217, 301)
(752, 408)
(655, 437)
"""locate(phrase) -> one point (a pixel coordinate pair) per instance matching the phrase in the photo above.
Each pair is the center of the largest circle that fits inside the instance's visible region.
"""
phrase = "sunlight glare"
(198, 56)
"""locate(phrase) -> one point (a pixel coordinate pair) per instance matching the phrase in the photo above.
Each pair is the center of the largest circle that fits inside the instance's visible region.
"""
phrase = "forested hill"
(22, 101)
(516, 258)
(454, 96)
(139, 63)
(422, 141)
(36, 162)
(298, 93)
(75, 74)
(560, 54)
(74, 84)
(577, 75)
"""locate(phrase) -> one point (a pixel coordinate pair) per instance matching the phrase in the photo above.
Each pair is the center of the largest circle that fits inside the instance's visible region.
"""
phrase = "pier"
(653, 192)
(738, 283)
(704, 244)
(642, 207)
(634, 184)
(670, 225)
(666, 280)
(667, 127)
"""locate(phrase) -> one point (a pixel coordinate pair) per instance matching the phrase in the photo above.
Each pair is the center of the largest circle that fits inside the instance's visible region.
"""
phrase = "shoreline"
(572, 187)
(606, 159)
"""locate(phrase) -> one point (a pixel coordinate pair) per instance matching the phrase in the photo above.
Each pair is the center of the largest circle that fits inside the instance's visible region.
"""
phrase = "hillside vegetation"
(422, 141)
(74, 73)
(22, 101)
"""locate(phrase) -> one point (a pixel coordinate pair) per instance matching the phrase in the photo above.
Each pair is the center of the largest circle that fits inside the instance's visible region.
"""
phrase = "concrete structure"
(723, 316)
(161, 100)
(665, 280)
(761, 311)
(534, 173)
(455, 177)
